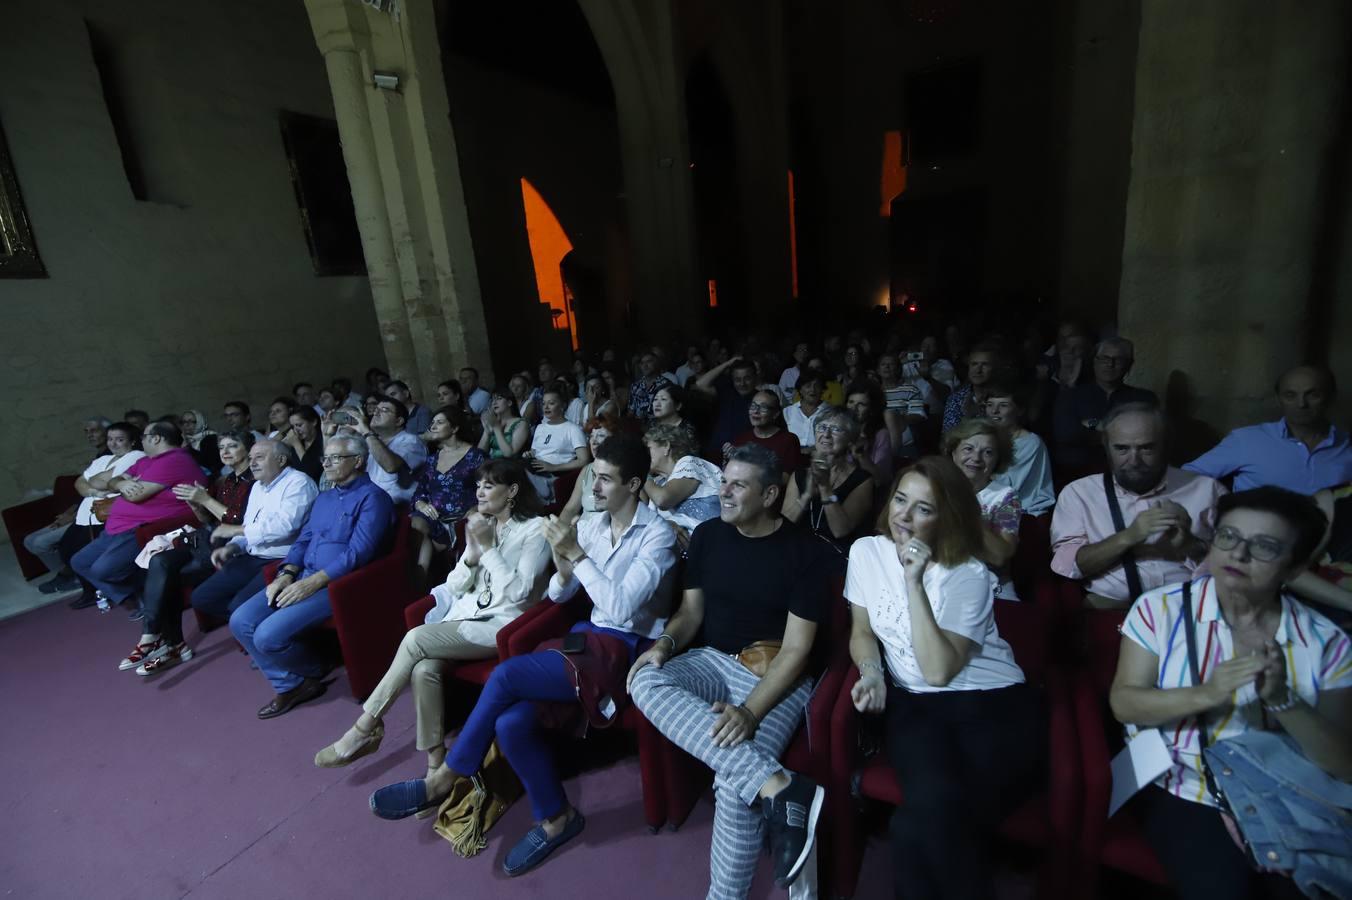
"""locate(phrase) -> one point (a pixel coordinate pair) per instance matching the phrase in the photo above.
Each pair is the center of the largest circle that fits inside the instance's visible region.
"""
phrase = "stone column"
(1238, 103)
(333, 31)
(409, 160)
(637, 40)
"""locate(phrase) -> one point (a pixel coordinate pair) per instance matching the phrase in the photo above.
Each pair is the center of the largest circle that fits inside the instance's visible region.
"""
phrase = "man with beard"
(1167, 515)
(1302, 451)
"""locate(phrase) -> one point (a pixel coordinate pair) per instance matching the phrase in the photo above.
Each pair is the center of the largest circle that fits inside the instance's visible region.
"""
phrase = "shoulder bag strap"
(1128, 558)
(1203, 739)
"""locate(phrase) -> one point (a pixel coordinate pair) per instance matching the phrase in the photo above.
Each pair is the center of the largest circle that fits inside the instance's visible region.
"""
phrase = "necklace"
(485, 598)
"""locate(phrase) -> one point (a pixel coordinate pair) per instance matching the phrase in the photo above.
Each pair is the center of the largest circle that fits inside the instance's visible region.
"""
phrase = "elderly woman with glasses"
(832, 496)
(1264, 662)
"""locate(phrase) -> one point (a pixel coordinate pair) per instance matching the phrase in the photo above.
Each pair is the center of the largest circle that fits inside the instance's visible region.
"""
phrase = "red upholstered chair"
(147, 531)
(1116, 842)
(1049, 820)
(23, 519)
(368, 610)
(563, 489)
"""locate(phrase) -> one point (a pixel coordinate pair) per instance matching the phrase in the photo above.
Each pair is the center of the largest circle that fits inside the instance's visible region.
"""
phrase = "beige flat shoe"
(328, 758)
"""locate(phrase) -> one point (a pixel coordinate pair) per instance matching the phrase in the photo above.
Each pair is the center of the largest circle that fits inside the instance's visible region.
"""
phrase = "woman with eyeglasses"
(768, 430)
(1265, 661)
(961, 725)
(832, 496)
(503, 572)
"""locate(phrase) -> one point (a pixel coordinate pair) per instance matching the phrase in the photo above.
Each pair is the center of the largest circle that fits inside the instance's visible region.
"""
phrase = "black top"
(310, 463)
(815, 517)
(1076, 416)
(751, 584)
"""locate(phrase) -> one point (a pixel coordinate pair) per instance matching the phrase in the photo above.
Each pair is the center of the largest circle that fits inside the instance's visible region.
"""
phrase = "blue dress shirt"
(346, 527)
(1268, 454)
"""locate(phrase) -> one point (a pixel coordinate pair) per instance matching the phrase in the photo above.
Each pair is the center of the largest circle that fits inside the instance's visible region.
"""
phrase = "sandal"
(141, 653)
(328, 758)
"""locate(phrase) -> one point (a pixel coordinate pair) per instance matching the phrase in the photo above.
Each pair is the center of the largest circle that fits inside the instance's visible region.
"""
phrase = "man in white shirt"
(558, 445)
(625, 559)
(395, 453)
(278, 504)
(476, 398)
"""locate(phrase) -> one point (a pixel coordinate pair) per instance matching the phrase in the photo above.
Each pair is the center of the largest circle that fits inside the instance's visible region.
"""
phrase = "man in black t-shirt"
(749, 581)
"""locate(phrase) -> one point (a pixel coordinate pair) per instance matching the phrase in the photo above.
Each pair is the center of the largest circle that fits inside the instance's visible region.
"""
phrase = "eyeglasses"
(763, 407)
(333, 460)
(1260, 547)
(831, 429)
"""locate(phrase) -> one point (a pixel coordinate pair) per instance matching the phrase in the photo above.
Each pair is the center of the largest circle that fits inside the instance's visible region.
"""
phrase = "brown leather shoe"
(283, 703)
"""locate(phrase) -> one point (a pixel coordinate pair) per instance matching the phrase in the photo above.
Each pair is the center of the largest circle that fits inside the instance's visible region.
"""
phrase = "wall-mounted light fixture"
(386, 81)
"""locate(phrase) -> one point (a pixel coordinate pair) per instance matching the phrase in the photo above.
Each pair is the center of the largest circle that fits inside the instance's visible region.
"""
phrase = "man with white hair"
(1079, 409)
(346, 528)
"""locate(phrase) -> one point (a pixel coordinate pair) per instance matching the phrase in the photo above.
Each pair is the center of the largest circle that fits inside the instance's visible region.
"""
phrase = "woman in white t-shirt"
(962, 727)
(557, 445)
(681, 487)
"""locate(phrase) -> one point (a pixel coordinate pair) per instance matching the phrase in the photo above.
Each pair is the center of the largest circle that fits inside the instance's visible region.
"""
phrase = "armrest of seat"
(844, 732)
(1095, 762)
(21, 520)
(147, 530)
(544, 622)
(417, 611)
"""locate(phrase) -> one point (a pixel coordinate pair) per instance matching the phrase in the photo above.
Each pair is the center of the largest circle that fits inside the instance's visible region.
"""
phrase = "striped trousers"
(676, 699)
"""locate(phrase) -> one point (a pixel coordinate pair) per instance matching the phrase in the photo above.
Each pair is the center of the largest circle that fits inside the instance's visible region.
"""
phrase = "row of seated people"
(1173, 539)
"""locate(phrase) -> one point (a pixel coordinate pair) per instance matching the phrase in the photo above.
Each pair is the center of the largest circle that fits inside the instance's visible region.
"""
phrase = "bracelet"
(1292, 698)
(668, 637)
(870, 664)
(755, 718)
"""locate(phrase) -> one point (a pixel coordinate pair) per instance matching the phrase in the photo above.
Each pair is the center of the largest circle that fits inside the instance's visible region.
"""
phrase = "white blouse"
(963, 600)
(510, 578)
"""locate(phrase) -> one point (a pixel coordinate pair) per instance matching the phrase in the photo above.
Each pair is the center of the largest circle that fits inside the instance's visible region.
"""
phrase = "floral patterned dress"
(450, 492)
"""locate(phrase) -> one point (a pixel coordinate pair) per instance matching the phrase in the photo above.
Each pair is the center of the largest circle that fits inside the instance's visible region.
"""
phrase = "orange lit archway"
(549, 244)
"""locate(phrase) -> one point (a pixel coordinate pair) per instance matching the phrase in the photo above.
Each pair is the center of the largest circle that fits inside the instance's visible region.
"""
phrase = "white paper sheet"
(1145, 758)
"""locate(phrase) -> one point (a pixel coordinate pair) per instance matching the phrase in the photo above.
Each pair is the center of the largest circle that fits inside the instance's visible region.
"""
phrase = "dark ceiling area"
(547, 41)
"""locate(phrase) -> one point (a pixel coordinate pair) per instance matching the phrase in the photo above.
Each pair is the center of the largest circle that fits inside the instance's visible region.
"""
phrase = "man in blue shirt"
(345, 530)
(1302, 451)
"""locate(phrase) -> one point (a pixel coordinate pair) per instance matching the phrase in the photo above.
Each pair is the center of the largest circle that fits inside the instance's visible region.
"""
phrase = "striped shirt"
(1318, 658)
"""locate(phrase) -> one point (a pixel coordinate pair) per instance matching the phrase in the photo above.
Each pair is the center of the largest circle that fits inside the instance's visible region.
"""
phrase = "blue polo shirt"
(346, 527)
(1268, 454)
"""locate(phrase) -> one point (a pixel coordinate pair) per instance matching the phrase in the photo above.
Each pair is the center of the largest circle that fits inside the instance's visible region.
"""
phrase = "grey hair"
(836, 414)
(278, 449)
(1120, 343)
(351, 444)
(101, 421)
(1138, 407)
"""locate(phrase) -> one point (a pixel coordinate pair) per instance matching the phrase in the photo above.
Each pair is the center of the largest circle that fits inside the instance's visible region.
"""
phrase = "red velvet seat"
(1049, 820)
(163, 526)
(1116, 842)
(563, 489)
(22, 519)
(544, 622)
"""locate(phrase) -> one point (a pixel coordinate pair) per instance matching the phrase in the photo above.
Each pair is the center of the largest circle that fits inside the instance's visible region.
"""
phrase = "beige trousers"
(422, 659)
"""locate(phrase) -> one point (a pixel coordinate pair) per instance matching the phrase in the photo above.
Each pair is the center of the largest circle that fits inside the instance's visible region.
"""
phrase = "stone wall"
(206, 291)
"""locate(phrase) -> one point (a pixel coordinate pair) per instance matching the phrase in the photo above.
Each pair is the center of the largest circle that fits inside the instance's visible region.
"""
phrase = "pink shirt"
(1082, 517)
(172, 467)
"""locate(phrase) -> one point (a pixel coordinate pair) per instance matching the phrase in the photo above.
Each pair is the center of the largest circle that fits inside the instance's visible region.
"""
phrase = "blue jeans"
(272, 637)
(506, 709)
(109, 564)
(227, 589)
